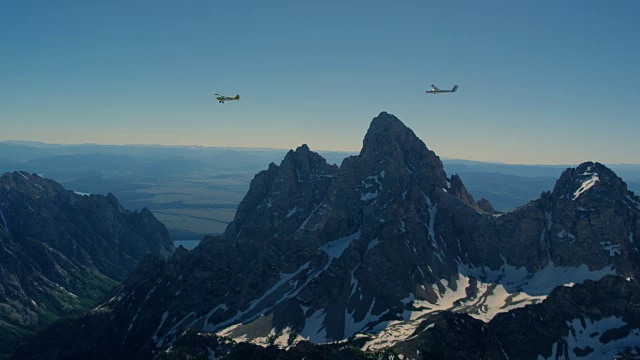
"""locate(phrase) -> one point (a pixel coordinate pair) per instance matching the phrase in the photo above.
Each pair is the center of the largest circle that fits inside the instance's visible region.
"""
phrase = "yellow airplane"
(222, 98)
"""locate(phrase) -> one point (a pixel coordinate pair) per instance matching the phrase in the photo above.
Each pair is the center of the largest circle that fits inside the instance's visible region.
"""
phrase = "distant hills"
(195, 190)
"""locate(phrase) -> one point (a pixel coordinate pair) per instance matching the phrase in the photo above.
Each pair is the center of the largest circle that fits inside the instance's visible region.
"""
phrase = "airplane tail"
(455, 88)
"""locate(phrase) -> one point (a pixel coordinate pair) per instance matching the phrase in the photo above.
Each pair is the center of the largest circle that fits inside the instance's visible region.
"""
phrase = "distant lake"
(188, 244)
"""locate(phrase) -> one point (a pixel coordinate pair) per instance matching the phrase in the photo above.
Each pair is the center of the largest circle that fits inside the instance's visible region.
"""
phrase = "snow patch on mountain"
(335, 248)
(466, 295)
(613, 249)
(633, 202)
(432, 219)
(155, 335)
(292, 211)
(483, 293)
(284, 338)
(541, 282)
(5, 228)
(319, 209)
(479, 299)
(287, 288)
(228, 331)
(314, 329)
(588, 179)
(492, 299)
(372, 244)
(367, 183)
(432, 209)
(353, 326)
(394, 332)
(207, 326)
(563, 234)
(284, 289)
(589, 337)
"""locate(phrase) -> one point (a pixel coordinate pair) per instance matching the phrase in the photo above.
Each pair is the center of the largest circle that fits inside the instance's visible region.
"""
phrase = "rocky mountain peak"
(284, 195)
(33, 185)
(457, 189)
(389, 141)
(589, 180)
(304, 164)
(485, 205)
(377, 246)
(303, 149)
(589, 218)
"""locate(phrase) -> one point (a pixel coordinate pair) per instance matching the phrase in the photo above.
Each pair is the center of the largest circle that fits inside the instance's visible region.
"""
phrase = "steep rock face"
(94, 230)
(61, 252)
(597, 319)
(517, 258)
(457, 189)
(281, 198)
(378, 246)
(221, 279)
(595, 220)
(594, 320)
(378, 232)
(585, 221)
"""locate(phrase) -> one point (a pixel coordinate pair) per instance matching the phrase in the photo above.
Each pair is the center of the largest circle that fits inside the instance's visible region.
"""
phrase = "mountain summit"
(378, 246)
(390, 142)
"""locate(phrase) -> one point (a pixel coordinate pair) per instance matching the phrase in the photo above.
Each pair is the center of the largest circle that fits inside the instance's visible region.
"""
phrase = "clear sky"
(540, 81)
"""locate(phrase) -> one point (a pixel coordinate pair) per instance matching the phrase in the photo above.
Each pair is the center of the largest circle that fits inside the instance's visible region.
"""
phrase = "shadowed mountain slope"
(61, 252)
(377, 246)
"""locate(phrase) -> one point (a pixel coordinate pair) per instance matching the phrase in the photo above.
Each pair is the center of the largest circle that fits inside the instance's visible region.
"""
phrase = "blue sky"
(540, 82)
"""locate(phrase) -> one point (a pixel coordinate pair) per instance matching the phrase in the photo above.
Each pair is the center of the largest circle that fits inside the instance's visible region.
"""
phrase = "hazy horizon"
(284, 149)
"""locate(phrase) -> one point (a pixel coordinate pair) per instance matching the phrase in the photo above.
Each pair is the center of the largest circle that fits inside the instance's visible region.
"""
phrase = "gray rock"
(60, 252)
(327, 253)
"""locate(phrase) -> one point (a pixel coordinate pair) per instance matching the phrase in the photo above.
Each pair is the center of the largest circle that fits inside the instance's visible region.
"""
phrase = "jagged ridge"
(378, 245)
(61, 252)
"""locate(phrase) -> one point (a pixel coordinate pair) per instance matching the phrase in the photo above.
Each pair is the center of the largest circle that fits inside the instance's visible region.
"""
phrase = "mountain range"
(61, 252)
(133, 172)
(384, 255)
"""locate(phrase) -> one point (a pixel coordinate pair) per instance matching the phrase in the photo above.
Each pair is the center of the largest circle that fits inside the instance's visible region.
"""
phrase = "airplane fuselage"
(435, 90)
(227, 99)
(221, 98)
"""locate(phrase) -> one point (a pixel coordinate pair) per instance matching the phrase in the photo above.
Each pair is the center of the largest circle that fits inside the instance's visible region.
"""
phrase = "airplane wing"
(433, 87)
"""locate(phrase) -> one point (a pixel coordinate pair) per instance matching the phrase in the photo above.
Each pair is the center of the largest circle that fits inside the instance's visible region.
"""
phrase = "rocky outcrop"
(589, 220)
(485, 205)
(379, 245)
(60, 252)
(597, 318)
(457, 189)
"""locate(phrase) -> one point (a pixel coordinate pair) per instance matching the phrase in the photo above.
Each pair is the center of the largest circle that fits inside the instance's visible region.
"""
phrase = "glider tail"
(455, 88)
